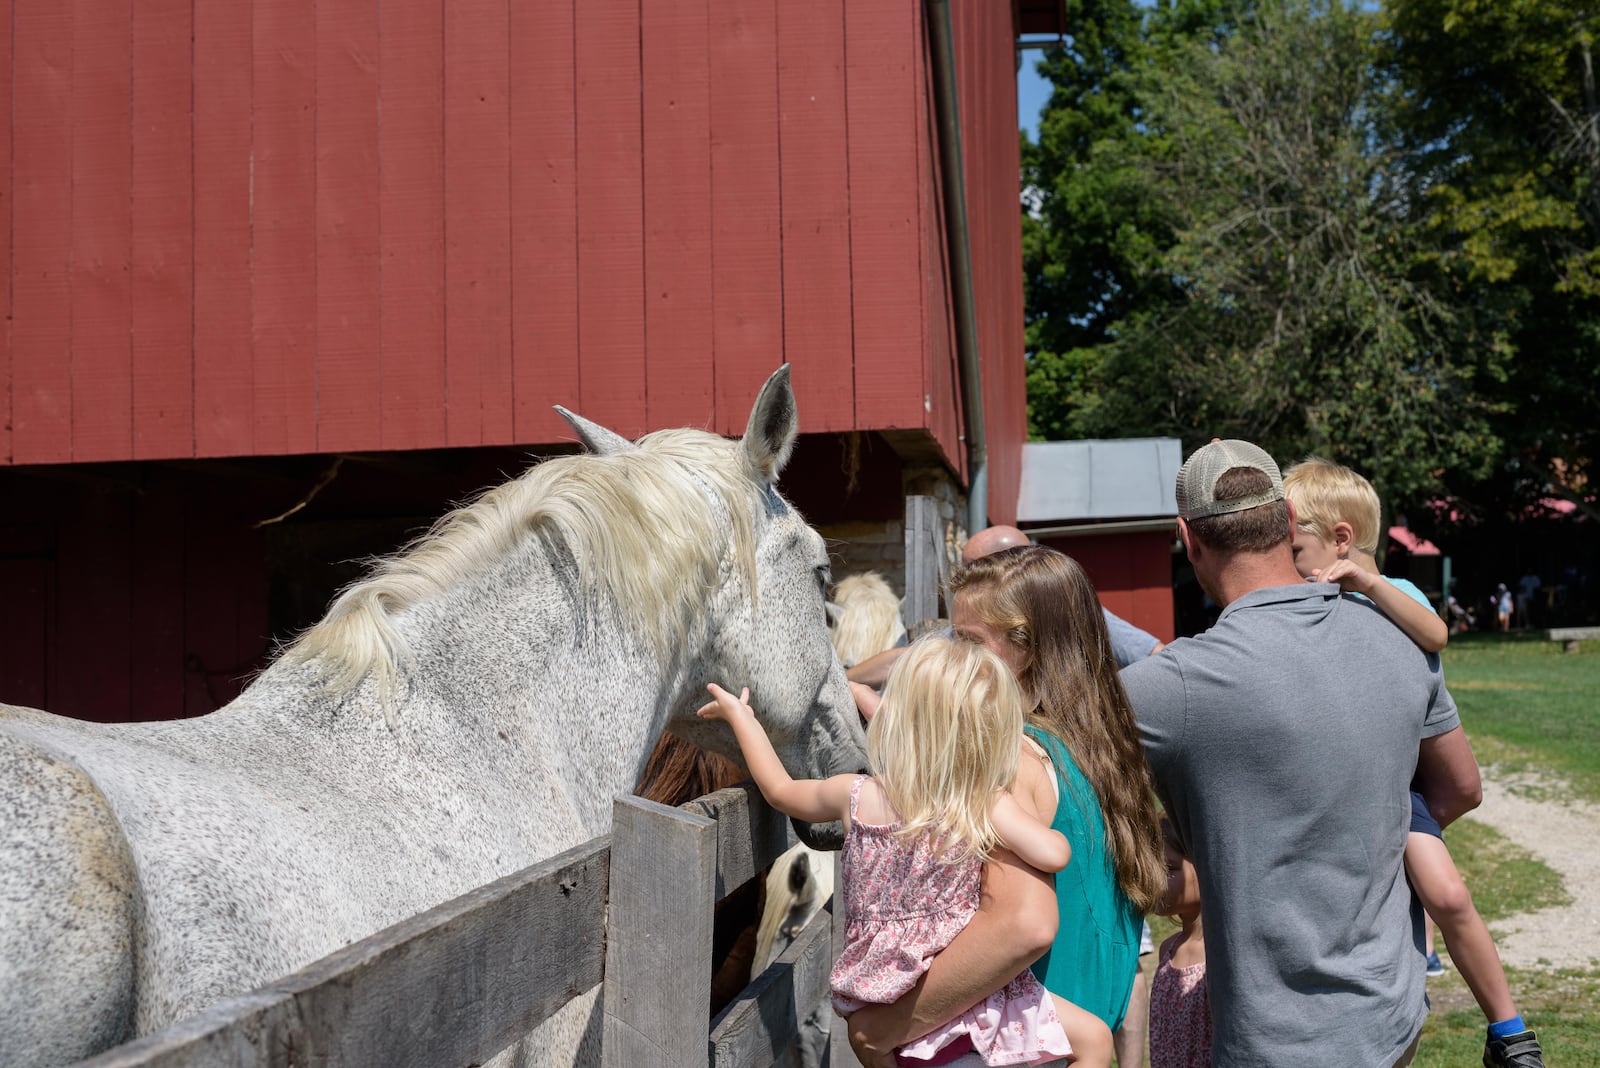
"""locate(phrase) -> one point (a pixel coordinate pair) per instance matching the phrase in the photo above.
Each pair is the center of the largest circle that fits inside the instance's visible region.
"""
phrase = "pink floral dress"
(902, 906)
(1180, 1014)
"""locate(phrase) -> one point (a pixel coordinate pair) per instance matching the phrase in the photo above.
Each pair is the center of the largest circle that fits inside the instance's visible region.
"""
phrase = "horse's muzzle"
(825, 836)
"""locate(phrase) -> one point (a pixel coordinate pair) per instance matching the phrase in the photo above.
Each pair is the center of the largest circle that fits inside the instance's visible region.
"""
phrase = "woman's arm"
(1015, 924)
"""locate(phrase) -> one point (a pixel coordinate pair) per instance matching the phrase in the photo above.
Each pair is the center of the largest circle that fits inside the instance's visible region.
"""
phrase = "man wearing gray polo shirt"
(1283, 741)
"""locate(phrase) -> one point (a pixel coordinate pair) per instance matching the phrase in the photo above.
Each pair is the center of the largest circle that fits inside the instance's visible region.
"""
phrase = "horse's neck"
(516, 685)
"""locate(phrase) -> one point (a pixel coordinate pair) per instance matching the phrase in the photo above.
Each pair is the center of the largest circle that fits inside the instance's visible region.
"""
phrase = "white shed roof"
(1125, 478)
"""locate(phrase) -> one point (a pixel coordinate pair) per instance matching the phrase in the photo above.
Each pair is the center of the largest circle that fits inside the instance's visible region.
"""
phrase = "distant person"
(1180, 1013)
(1336, 535)
(1128, 642)
(1283, 742)
(917, 833)
(1527, 586)
(1502, 607)
(1459, 617)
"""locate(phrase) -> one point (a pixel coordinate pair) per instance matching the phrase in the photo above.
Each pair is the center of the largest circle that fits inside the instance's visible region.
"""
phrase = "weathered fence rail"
(463, 981)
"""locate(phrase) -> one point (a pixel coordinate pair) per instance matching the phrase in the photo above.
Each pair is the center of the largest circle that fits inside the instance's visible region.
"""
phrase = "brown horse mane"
(679, 771)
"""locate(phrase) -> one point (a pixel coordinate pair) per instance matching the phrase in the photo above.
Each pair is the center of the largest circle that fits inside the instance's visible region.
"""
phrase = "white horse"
(470, 708)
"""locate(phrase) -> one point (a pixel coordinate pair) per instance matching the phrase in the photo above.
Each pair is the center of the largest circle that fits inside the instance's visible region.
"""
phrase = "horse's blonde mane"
(642, 532)
(869, 617)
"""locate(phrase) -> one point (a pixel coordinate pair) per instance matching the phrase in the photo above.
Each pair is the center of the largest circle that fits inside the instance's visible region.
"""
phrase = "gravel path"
(1536, 813)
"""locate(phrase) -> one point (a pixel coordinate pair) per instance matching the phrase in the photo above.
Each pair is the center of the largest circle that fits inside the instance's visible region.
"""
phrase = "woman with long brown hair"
(1037, 610)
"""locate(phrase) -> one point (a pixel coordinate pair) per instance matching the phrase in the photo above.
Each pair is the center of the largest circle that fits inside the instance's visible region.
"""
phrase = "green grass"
(1527, 705)
(1558, 1003)
(1504, 878)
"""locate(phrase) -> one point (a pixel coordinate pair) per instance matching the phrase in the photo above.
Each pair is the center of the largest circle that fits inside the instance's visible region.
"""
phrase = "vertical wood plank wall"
(260, 227)
(986, 76)
(1132, 573)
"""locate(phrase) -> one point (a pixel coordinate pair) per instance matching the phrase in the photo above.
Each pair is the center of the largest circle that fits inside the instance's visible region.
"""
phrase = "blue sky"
(1032, 92)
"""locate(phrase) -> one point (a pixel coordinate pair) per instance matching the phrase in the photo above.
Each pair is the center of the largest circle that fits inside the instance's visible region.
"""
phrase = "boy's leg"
(1444, 895)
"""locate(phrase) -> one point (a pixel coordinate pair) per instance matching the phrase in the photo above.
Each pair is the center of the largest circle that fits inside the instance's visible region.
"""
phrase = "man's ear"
(1293, 518)
(1190, 546)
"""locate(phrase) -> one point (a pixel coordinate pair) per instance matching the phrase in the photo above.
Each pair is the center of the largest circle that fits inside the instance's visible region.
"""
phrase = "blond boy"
(1335, 539)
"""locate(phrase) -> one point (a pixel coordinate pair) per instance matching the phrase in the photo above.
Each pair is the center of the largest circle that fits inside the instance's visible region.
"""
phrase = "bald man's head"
(992, 540)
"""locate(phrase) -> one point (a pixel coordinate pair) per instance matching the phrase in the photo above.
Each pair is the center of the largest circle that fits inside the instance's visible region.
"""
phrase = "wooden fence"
(458, 984)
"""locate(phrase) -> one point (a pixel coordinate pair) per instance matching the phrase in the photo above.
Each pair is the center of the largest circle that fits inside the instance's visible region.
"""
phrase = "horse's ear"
(596, 438)
(769, 438)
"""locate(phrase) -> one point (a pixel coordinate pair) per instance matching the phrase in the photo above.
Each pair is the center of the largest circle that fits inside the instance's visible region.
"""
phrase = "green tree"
(1093, 227)
(1497, 103)
(1297, 317)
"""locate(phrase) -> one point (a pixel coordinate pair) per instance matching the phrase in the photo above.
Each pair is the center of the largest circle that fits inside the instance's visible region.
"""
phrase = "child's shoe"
(1435, 965)
(1520, 1050)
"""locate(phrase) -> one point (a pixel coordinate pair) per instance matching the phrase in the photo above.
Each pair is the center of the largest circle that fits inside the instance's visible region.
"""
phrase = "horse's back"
(67, 901)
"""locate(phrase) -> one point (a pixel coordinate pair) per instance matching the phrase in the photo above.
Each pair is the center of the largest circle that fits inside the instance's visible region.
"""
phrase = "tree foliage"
(1327, 229)
(1497, 105)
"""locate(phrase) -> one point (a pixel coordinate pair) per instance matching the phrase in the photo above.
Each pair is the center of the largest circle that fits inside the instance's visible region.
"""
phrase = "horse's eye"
(824, 578)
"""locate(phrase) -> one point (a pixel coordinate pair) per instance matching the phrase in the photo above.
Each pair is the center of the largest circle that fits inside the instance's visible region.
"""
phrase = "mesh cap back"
(1197, 479)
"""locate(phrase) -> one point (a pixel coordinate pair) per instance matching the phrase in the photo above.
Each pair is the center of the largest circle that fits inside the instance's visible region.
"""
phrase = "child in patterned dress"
(1180, 1013)
(943, 748)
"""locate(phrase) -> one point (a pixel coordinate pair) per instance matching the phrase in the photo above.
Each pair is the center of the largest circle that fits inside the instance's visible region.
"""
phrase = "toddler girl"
(943, 747)
(1180, 1013)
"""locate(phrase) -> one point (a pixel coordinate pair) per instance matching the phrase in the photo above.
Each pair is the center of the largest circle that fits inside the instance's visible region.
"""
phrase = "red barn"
(285, 278)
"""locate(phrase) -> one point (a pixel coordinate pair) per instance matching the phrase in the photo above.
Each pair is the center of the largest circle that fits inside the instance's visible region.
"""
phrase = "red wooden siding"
(883, 78)
(410, 338)
(816, 211)
(986, 76)
(6, 199)
(477, 215)
(348, 306)
(161, 272)
(325, 226)
(222, 361)
(41, 225)
(675, 74)
(1131, 572)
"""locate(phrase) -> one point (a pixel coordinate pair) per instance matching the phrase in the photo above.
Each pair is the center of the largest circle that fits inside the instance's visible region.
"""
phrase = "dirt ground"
(1537, 813)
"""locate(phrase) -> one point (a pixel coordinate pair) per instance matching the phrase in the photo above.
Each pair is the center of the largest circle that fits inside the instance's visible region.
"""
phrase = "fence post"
(658, 931)
(924, 560)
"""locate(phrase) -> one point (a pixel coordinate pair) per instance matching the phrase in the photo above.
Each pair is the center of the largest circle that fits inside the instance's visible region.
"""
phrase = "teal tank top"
(1095, 955)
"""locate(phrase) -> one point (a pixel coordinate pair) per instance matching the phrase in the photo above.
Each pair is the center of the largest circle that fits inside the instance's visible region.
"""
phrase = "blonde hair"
(1325, 494)
(868, 620)
(946, 740)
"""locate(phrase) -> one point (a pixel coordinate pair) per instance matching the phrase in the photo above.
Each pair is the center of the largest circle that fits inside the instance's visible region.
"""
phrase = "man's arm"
(1129, 644)
(874, 670)
(1447, 775)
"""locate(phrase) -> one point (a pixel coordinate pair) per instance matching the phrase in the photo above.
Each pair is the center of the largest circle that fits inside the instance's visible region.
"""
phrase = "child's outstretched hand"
(725, 706)
(1351, 577)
